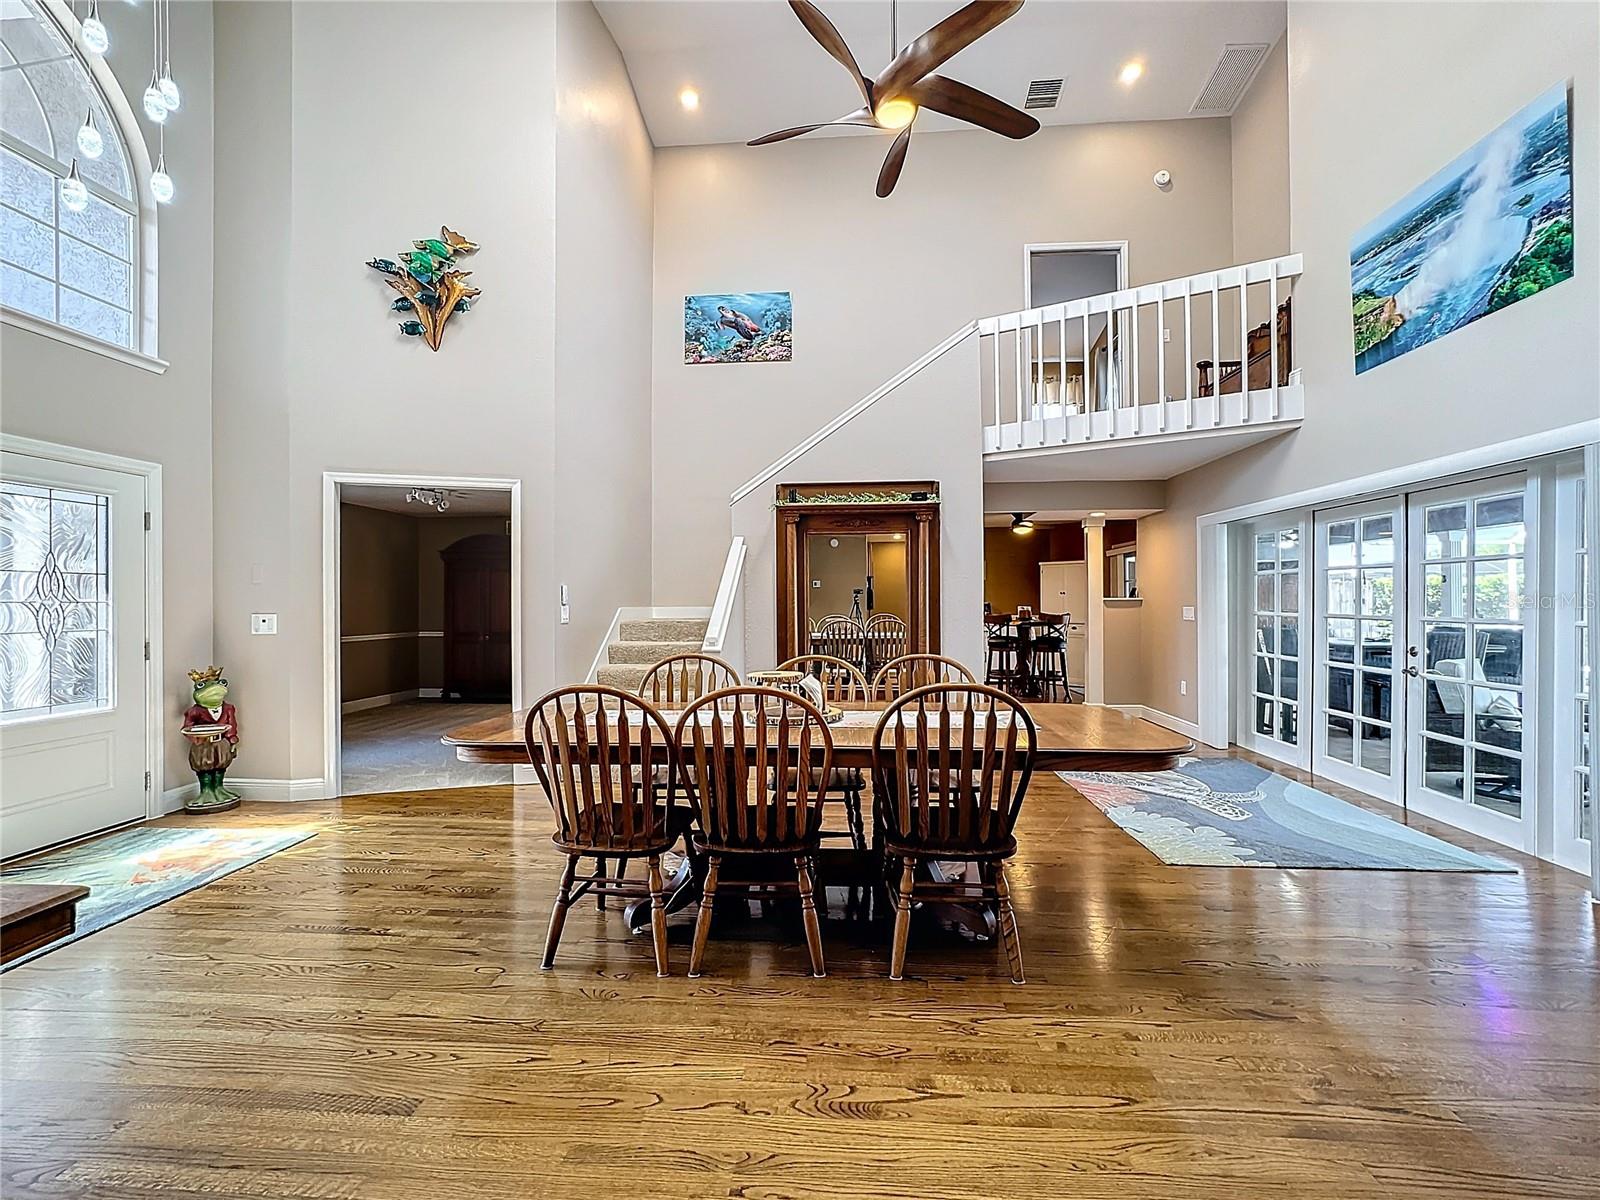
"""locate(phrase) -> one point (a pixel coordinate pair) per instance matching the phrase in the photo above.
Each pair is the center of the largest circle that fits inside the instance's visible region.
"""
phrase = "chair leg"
(902, 920)
(702, 921)
(852, 809)
(1008, 923)
(602, 870)
(808, 914)
(658, 912)
(558, 915)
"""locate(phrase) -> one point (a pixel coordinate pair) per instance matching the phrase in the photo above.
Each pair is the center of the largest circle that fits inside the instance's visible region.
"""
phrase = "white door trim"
(331, 483)
(154, 672)
(1213, 674)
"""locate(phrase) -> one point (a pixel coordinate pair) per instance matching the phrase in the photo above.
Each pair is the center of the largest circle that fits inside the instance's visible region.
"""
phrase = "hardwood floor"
(363, 1016)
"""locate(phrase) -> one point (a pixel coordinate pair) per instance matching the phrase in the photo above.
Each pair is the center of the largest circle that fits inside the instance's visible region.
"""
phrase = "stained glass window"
(77, 270)
(55, 601)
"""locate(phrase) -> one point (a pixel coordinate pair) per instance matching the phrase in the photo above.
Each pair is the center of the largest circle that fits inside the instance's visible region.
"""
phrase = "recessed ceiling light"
(1131, 72)
(1097, 514)
(690, 99)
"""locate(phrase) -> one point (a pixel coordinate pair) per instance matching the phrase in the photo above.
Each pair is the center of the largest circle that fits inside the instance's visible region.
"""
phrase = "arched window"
(90, 272)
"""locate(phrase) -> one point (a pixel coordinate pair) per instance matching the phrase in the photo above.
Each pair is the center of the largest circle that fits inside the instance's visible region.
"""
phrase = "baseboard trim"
(278, 790)
(429, 693)
(174, 798)
(366, 702)
(1156, 717)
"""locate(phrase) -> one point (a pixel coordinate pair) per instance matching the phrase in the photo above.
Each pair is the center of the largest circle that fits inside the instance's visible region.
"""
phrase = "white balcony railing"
(1202, 352)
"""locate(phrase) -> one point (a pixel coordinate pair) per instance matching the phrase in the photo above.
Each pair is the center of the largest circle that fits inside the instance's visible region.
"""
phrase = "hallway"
(396, 748)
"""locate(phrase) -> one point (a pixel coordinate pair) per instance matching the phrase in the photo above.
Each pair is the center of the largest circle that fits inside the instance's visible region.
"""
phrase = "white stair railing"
(725, 606)
(1100, 368)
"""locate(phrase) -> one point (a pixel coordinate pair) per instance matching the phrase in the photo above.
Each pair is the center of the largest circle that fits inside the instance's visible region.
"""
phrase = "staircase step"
(628, 678)
(665, 629)
(647, 653)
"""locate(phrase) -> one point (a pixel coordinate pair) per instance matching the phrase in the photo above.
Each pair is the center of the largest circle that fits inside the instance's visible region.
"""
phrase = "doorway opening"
(1082, 368)
(425, 611)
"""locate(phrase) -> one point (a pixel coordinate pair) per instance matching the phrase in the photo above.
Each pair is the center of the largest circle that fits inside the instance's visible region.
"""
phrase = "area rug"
(137, 869)
(1225, 812)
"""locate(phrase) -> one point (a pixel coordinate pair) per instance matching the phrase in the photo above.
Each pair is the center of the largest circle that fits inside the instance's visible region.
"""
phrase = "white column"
(1094, 651)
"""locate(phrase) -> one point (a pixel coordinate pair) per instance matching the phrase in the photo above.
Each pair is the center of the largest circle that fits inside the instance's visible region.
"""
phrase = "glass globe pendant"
(161, 183)
(93, 31)
(171, 97)
(155, 107)
(90, 143)
(74, 196)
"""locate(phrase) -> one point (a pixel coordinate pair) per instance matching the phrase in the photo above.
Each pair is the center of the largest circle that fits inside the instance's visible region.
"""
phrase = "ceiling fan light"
(895, 113)
(1021, 522)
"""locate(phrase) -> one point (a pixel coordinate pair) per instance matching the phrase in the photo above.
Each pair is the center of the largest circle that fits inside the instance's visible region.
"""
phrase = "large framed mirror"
(858, 570)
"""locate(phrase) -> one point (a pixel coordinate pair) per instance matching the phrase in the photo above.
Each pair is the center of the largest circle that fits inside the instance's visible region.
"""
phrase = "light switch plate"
(263, 623)
(1188, 612)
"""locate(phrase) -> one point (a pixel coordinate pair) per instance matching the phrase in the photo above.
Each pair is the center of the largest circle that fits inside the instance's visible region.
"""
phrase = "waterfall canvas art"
(736, 327)
(1492, 228)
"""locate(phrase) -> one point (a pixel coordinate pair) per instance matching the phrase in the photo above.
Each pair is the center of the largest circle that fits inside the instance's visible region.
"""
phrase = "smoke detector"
(1230, 78)
(1044, 93)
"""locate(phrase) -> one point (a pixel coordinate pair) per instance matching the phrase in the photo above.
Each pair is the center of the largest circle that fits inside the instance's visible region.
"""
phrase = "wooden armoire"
(477, 618)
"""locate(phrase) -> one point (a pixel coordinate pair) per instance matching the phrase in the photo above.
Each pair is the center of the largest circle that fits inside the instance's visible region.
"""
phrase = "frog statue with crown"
(212, 727)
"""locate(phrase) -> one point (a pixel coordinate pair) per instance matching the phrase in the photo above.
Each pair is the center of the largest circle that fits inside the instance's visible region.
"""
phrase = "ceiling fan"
(908, 84)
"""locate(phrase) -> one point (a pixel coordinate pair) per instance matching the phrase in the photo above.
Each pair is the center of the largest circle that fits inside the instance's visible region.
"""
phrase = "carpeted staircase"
(641, 644)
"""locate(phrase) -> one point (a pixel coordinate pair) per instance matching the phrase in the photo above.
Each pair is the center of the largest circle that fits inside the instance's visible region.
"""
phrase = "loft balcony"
(1146, 382)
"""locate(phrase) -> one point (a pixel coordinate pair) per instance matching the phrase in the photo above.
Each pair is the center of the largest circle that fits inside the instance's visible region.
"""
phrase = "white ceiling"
(464, 502)
(758, 70)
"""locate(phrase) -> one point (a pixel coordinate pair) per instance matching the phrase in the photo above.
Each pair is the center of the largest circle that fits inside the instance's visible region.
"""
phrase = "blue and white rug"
(1225, 812)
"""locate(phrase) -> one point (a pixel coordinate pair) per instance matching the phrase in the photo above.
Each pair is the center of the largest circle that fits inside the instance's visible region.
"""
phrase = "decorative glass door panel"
(1272, 723)
(1360, 592)
(1467, 650)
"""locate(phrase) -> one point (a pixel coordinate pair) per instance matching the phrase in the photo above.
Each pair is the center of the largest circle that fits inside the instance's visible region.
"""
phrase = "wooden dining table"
(1070, 737)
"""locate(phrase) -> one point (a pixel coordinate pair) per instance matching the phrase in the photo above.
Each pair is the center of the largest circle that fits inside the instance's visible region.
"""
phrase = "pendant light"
(90, 143)
(74, 195)
(168, 87)
(93, 31)
(154, 106)
(160, 182)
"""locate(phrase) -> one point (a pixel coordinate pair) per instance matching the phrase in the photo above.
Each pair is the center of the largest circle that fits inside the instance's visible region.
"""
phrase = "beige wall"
(839, 569)
(73, 397)
(603, 178)
(1124, 650)
(890, 582)
(331, 380)
(925, 429)
(878, 283)
(1371, 118)
(377, 594)
(1260, 127)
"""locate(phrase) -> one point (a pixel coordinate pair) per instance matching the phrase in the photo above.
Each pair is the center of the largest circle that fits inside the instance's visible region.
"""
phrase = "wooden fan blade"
(819, 27)
(860, 117)
(889, 173)
(965, 103)
(941, 43)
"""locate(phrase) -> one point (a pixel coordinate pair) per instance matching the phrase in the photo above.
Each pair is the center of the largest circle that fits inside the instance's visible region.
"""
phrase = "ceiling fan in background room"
(908, 84)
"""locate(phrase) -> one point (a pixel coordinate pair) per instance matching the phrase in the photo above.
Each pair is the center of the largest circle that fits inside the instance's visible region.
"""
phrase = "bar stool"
(1001, 669)
(1050, 657)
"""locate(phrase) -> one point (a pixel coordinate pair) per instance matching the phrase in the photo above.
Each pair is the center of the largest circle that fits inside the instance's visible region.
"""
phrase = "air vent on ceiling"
(1043, 93)
(1229, 79)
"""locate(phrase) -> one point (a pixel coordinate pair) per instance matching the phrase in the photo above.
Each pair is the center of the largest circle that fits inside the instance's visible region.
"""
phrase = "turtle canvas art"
(432, 288)
(732, 327)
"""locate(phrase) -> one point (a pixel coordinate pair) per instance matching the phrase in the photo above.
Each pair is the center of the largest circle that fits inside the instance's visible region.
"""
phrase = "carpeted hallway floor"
(396, 748)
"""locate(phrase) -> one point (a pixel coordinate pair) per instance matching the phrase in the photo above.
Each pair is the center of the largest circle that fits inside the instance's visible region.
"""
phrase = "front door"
(1469, 657)
(73, 703)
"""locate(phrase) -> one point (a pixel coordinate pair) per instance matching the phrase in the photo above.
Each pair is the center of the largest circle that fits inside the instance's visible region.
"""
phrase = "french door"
(1470, 654)
(1360, 598)
(73, 704)
(1276, 591)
